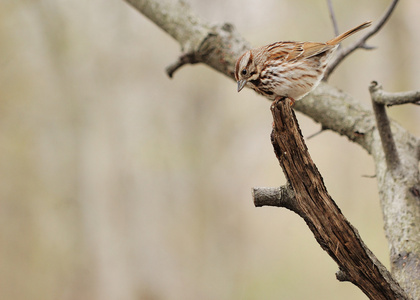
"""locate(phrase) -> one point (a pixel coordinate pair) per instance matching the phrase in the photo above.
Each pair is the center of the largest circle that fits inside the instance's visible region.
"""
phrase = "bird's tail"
(348, 33)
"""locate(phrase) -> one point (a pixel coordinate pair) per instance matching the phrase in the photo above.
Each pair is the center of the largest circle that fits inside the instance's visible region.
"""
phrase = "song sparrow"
(287, 69)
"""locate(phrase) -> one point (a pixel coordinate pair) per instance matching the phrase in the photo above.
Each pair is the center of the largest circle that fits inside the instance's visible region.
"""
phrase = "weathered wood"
(313, 203)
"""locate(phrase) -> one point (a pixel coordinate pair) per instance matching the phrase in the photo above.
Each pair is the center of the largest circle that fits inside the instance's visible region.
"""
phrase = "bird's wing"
(310, 49)
(289, 51)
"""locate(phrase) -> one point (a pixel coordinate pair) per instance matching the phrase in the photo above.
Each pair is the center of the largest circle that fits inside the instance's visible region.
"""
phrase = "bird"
(287, 69)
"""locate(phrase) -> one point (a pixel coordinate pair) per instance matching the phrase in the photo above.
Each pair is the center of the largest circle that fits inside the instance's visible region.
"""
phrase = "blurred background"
(117, 182)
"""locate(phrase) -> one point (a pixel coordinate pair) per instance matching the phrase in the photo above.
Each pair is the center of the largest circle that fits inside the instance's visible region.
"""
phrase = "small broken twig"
(187, 58)
(283, 196)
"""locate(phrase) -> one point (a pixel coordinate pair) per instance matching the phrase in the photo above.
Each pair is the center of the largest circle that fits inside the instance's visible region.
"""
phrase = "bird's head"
(245, 69)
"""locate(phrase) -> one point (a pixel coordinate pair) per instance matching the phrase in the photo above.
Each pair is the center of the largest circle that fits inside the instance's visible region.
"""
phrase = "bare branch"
(390, 99)
(283, 196)
(331, 229)
(361, 43)
(333, 19)
(384, 128)
(177, 19)
(188, 58)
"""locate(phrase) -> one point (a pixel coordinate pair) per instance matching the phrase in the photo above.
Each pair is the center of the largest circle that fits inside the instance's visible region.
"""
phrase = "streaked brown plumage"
(287, 69)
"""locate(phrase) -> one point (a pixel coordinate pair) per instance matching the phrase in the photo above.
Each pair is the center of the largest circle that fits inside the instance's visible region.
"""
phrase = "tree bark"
(313, 203)
(399, 182)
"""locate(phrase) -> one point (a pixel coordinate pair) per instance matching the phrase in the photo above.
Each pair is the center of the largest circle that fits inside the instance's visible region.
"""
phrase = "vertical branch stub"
(384, 128)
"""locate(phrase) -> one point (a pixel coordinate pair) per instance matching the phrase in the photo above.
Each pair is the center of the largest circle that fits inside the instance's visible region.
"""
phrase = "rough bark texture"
(313, 203)
(218, 46)
(399, 189)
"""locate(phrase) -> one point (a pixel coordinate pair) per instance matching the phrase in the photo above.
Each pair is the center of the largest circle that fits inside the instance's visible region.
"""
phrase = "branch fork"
(214, 49)
(307, 195)
(360, 43)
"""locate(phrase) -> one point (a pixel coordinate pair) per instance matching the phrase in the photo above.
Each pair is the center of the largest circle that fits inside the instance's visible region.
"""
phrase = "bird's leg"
(280, 98)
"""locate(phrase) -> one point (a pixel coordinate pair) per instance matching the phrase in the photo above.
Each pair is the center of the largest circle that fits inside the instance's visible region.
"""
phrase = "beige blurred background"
(119, 183)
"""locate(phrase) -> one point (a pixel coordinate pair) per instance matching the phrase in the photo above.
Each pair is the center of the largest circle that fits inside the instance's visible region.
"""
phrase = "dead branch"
(313, 203)
(283, 196)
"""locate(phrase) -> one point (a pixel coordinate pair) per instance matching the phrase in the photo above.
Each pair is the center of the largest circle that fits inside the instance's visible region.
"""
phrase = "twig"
(187, 58)
(316, 133)
(384, 128)
(361, 43)
(283, 196)
(333, 19)
(369, 176)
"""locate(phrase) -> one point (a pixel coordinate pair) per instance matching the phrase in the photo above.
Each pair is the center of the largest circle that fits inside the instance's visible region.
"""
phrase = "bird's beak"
(241, 84)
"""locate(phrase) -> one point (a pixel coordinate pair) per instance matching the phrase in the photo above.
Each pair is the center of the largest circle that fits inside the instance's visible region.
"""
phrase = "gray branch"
(177, 19)
(283, 196)
(389, 99)
(384, 128)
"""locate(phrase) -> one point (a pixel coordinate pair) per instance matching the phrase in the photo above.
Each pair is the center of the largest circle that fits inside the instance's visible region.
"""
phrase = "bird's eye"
(244, 71)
